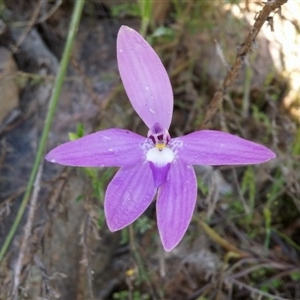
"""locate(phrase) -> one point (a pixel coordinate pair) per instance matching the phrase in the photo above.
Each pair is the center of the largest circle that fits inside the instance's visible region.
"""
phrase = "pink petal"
(175, 204)
(111, 147)
(209, 147)
(128, 195)
(145, 79)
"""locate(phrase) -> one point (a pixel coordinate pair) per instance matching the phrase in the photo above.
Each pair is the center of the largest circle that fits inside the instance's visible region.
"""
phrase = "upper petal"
(209, 147)
(111, 147)
(145, 79)
(175, 204)
(128, 195)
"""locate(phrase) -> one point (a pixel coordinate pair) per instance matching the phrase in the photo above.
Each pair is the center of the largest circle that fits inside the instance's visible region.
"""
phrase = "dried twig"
(262, 17)
(240, 193)
(267, 265)
(27, 232)
(29, 26)
(255, 290)
(86, 253)
(38, 20)
(51, 11)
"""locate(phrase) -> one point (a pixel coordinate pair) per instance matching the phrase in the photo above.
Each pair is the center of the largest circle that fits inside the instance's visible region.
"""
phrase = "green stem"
(268, 221)
(145, 7)
(52, 107)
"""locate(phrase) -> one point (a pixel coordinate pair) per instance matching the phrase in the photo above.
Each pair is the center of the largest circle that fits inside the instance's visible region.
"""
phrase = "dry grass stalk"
(262, 17)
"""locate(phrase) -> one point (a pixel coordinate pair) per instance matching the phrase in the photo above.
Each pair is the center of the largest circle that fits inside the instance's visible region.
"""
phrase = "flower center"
(159, 136)
(160, 155)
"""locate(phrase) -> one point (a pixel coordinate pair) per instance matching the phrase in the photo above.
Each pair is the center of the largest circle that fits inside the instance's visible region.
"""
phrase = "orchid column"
(156, 165)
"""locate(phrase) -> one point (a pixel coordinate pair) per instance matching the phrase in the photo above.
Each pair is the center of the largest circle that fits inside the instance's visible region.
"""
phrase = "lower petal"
(159, 173)
(176, 203)
(128, 195)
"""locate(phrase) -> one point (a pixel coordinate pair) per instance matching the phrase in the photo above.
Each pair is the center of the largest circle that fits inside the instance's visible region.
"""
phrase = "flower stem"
(145, 7)
(52, 107)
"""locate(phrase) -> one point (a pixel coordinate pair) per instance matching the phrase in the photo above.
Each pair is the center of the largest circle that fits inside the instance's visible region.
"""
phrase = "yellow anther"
(160, 146)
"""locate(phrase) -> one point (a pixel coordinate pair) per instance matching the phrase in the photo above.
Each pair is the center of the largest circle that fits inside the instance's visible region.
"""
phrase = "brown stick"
(26, 236)
(232, 74)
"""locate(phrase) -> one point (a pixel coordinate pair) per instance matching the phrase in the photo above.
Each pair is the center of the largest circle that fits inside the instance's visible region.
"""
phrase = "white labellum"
(160, 157)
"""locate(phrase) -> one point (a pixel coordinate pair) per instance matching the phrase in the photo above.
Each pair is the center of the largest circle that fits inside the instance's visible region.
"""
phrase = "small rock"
(2, 27)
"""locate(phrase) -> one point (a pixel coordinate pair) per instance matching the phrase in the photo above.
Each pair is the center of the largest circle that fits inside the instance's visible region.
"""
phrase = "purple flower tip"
(156, 164)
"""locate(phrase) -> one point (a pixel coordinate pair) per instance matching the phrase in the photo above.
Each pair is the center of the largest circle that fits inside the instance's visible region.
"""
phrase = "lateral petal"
(111, 147)
(210, 147)
(145, 79)
(128, 195)
(176, 203)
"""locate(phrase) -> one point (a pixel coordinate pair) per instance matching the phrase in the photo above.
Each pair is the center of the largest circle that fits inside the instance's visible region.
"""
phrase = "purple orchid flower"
(156, 163)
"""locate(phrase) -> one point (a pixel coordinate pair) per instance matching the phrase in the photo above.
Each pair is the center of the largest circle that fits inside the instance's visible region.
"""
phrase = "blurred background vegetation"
(244, 240)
